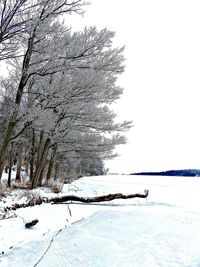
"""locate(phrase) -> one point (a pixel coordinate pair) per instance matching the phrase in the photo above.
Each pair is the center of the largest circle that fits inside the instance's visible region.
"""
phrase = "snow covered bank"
(160, 231)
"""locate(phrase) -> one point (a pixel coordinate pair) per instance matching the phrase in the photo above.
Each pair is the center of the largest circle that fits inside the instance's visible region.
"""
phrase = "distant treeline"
(190, 172)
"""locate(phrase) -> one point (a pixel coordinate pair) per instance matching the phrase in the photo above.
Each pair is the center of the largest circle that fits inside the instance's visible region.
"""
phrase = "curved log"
(56, 200)
(98, 198)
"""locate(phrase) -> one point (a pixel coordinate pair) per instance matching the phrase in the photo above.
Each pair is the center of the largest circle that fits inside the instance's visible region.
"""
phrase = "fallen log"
(56, 200)
(32, 202)
(109, 197)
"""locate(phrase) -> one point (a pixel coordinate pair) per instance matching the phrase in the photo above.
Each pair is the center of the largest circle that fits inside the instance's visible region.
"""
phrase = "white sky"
(161, 82)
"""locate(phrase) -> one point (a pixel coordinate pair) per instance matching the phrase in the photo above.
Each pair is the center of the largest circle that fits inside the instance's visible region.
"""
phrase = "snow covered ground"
(162, 230)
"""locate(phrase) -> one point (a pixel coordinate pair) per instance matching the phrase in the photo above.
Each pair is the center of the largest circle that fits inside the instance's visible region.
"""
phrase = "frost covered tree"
(26, 25)
(18, 18)
(74, 97)
(61, 92)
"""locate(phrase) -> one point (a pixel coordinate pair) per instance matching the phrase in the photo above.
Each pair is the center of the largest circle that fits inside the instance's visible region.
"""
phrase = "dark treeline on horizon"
(187, 173)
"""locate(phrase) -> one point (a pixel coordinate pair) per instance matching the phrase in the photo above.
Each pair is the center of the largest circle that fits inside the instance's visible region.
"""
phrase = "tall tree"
(40, 22)
(63, 93)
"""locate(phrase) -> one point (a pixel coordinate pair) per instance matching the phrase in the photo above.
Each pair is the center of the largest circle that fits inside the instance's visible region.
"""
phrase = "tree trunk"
(19, 165)
(40, 148)
(56, 170)
(32, 159)
(40, 165)
(26, 154)
(6, 169)
(10, 165)
(42, 174)
(13, 119)
(51, 163)
(5, 146)
(50, 168)
(26, 166)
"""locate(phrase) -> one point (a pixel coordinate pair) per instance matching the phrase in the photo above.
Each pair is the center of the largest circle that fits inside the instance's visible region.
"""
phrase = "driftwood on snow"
(56, 200)
(31, 223)
(98, 198)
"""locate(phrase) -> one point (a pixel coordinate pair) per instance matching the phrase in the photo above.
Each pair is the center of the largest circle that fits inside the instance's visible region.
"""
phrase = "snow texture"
(160, 231)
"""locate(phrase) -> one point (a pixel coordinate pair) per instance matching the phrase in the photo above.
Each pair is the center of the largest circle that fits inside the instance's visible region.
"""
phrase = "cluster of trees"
(54, 108)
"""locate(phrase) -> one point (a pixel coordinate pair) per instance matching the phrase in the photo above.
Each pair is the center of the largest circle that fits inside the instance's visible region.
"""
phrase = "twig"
(48, 247)
(70, 212)
(78, 221)
(51, 241)
(24, 221)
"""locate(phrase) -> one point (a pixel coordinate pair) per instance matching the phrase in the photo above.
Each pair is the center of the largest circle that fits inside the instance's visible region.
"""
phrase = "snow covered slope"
(162, 230)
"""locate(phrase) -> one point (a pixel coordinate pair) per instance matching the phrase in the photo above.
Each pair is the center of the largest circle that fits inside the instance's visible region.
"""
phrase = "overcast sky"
(161, 81)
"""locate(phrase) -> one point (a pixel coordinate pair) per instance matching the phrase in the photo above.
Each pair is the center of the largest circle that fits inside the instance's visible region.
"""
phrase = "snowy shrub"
(55, 186)
(33, 197)
(1, 190)
(26, 185)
